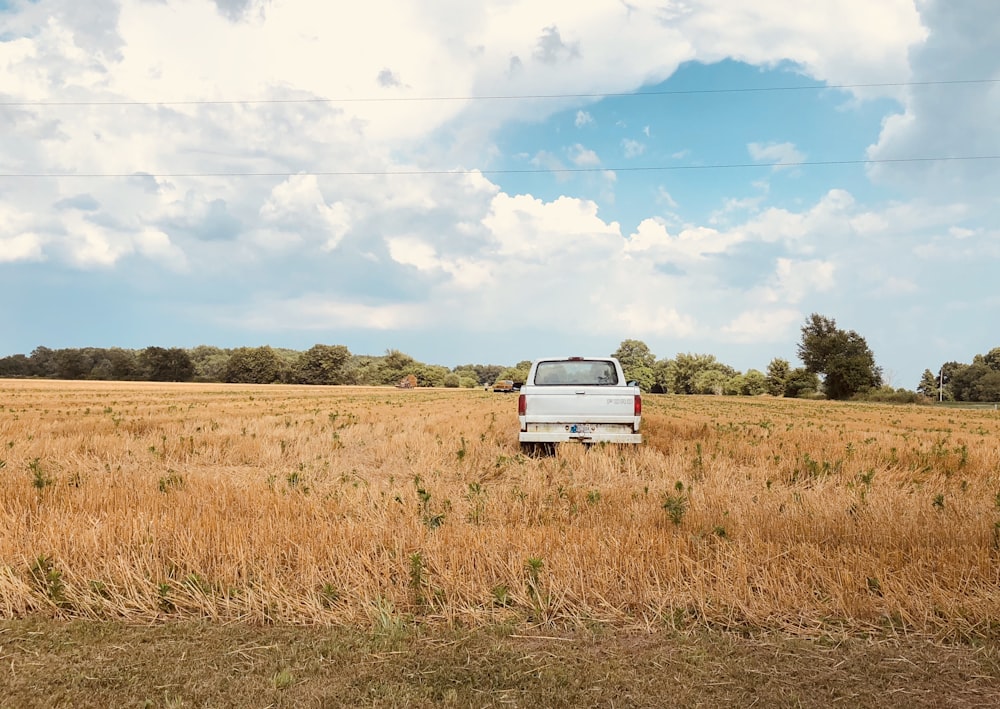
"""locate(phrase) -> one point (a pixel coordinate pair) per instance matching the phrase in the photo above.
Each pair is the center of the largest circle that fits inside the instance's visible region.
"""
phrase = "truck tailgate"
(580, 404)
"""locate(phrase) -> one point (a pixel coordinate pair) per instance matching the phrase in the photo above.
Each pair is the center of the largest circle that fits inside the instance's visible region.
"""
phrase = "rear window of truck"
(576, 373)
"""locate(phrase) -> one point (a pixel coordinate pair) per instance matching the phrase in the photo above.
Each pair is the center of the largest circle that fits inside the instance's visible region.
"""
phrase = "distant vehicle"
(582, 399)
(504, 386)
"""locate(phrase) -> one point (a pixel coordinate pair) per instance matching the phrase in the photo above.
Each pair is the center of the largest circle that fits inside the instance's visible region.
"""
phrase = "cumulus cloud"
(951, 120)
(372, 249)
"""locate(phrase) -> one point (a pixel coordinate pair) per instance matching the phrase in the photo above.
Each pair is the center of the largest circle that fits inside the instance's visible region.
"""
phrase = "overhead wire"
(499, 97)
(502, 171)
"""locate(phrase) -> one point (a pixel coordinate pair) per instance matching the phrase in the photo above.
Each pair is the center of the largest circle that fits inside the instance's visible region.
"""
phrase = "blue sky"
(488, 249)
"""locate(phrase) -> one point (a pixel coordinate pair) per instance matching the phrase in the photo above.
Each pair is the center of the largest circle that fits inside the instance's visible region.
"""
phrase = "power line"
(515, 171)
(510, 97)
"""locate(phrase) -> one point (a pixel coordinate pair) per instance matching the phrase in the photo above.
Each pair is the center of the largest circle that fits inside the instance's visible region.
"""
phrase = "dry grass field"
(211, 545)
(379, 508)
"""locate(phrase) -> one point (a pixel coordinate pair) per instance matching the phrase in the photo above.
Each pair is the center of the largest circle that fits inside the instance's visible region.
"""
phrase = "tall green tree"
(777, 376)
(637, 362)
(160, 364)
(754, 383)
(323, 364)
(801, 382)
(929, 385)
(209, 363)
(685, 369)
(254, 365)
(841, 356)
(992, 359)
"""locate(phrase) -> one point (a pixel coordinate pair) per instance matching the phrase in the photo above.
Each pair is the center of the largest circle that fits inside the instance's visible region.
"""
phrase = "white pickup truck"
(582, 399)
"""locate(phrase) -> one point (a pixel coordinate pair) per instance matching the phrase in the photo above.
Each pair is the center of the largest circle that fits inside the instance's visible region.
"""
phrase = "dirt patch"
(51, 663)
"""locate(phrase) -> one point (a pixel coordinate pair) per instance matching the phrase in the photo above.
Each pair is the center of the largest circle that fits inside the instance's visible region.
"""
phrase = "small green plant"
(432, 519)
(476, 496)
(539, 601)
(417, 579)
(39, 480)
(47, 579)
(282, 679)
(388, 623)
(461, 453)
(939, 501)
(698, 464)
(165, 603)
(593, 497)
(676, 505)
(328, 595)
(501, 594)
(171, 481)
(198, 584)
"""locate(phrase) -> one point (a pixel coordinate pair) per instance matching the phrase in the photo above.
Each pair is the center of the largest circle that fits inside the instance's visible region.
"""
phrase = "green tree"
(430, 375)
(710, 381)
(323, 364)
(253, 365)
(841, 356)
(992, 359)
(452, 381)
(637, 362)
(43, 362)
(976, 382)
(16, 365)
(734, 385)
(929, 385)
(70, 364)
(158, 364)
(394, 366)
(777, 376)
(209, 363)
(684, 370)
(801, 382)
(482, 373)
(754, 383)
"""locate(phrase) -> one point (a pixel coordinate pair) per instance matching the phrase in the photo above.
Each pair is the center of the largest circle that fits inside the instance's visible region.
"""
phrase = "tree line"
(842, 357)
(836, 364)
(320, 364)
(957, 381)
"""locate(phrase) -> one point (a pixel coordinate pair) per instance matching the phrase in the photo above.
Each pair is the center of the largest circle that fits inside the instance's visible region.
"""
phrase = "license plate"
(581, 428)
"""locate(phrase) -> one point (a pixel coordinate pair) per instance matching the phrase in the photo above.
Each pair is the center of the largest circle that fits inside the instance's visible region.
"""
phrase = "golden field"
(378, 507)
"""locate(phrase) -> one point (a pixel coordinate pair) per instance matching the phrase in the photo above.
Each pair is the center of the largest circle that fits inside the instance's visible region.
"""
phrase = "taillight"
(638, 406)
(522, 405)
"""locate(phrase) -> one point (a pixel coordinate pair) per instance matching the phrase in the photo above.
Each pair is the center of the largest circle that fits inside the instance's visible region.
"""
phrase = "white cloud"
(156, 245)
(406, 251)
(781, 154)
(20, 247)
(664, 197)
(583, 157)
(763, 325)
(632, 148)
(950, 120)
(298, 205)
